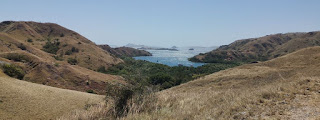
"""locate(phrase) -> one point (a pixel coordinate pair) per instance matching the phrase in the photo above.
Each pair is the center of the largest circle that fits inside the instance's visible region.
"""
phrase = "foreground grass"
(21, 100)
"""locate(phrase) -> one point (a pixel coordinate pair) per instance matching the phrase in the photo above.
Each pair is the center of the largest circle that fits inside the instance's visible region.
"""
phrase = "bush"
(22, 47)
(13, 71)
(51, 47)
(29, 40)
(130, 100)
(72, 61)
(68, 52)
(91, 91)
(17, 57)
(73, 50)
(102, 69)
(59, 58)
(61, 35)
(119, 95)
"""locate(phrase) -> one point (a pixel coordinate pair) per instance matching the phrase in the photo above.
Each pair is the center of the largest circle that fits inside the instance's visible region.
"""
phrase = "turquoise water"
(175, 58)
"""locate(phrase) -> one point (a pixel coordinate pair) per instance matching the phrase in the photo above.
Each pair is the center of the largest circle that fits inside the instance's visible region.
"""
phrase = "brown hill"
(260, 49)
(125, 51)
(286, 87)
(52, 55)
(57, 41)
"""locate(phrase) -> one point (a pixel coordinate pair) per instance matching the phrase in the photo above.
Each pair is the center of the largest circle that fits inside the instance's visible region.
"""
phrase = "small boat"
(191, 49)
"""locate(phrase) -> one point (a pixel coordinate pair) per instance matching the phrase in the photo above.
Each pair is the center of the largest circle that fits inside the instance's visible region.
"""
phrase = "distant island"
(150, 48)
(144, 47)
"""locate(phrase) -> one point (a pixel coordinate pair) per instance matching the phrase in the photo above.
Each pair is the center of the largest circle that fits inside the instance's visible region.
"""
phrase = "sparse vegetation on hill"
(260, 49)
(53, 39)
(39, 48)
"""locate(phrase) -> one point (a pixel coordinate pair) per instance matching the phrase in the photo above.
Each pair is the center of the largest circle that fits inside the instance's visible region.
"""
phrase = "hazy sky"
(169, 22)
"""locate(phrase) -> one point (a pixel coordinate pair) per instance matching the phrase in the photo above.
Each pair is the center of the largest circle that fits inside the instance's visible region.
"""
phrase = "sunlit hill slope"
(286, 87)
(53, 55)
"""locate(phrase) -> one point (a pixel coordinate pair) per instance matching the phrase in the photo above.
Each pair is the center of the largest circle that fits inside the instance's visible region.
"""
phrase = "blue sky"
(169, 22)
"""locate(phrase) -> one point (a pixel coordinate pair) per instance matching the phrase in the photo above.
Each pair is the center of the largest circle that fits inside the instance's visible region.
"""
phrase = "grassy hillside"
(283, 88)
(125, 51)
(21, 100)
(57, 41)
(53, 55)
(260, 49)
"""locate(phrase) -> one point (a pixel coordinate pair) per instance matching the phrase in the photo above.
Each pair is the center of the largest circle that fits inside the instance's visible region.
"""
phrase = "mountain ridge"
(125, 51)
(260, 49)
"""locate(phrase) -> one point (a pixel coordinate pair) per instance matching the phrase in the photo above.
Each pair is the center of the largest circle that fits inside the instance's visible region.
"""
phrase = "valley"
(51, 72)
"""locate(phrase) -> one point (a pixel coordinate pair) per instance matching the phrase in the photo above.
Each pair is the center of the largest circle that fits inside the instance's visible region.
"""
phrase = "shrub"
(51, 47)
(73, 49)
(29, 40)
(102, 69)
(13, 71)
(72, 61)
(119, 95)
(56, 64)
(59, 58)
(61, 35)
(22, 47)
(91, 91)
(68, 52)
(17, 57)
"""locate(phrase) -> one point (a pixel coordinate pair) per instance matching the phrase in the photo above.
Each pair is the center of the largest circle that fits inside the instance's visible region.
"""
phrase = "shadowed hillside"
(283, 88)
(125, 51)
(53, 55)
(260, 49)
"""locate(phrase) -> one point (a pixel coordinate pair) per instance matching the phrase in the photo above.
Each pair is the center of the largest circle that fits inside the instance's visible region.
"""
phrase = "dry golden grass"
(284, 88)
(20, 100)
(89, 55)
(43, 68)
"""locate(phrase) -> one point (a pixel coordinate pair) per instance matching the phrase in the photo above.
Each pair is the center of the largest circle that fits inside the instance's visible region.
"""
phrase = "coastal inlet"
(175, 57)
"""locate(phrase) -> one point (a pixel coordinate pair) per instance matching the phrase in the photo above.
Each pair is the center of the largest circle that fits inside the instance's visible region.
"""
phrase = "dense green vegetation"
(17, 57)
(72, 50)
(52, 47)
(217, 58)
(30, 40)
(13, 71)
(143, 73)
(22, 46)
(72, 61)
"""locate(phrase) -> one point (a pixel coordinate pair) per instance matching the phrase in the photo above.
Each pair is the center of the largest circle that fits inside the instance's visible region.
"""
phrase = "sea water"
(175, 58)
